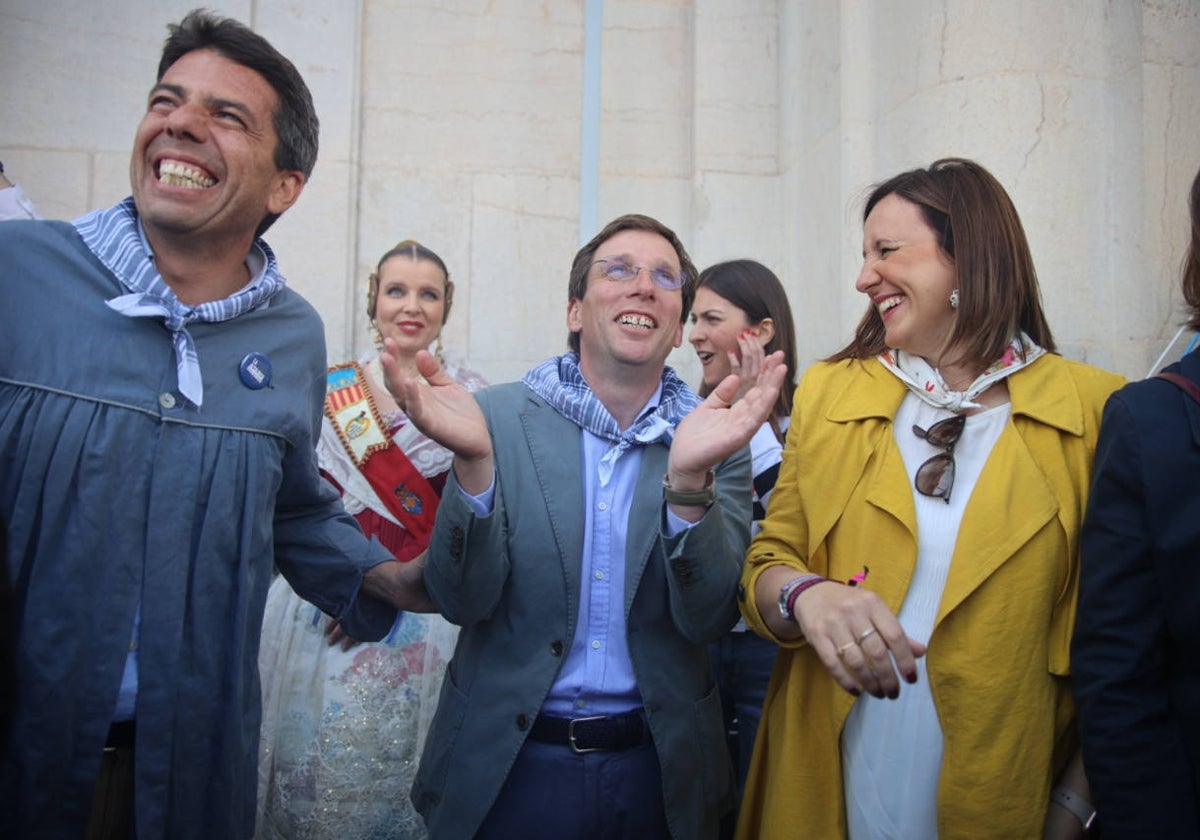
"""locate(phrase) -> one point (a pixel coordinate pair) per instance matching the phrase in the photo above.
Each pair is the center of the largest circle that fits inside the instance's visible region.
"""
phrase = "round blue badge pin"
(255, 371)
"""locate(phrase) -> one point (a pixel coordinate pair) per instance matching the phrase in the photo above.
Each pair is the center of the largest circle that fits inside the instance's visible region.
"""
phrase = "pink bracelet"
(800, 587)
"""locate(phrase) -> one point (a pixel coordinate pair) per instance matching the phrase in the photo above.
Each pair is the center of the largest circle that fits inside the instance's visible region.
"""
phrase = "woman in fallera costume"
(343, 724)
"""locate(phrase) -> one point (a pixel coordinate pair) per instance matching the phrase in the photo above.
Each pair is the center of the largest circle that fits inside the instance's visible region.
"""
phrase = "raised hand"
(444, 411)
(723, 423)
(747, 362)
(439, 406)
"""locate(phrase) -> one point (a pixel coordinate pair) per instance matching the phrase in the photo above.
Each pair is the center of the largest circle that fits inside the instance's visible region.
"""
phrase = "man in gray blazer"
(589, 544)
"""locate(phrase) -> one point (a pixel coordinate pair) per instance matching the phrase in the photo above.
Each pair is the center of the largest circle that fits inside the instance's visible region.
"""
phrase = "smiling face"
(908, 278)
(624, 323)
(411, 305)
(203, 168)
(716, 325)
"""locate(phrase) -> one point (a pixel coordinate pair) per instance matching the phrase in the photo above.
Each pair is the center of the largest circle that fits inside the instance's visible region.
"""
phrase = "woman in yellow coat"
(919, 560)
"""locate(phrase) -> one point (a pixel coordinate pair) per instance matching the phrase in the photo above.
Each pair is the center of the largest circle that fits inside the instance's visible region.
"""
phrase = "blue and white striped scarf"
(560, 382)
(115, 237)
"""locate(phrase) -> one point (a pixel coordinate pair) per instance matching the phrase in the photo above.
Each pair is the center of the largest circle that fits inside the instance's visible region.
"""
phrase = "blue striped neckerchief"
(115, 236)
(560, 382)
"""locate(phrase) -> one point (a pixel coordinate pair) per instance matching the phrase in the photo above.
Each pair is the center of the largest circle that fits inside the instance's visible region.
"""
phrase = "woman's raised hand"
(750, 364)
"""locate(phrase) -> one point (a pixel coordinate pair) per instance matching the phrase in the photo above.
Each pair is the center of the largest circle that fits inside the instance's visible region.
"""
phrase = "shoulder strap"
(1182, 382)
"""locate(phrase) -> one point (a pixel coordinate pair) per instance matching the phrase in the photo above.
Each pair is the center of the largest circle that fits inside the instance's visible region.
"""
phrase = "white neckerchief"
(926, 381)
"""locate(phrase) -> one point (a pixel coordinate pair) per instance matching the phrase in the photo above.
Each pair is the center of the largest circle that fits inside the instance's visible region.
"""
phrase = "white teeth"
(637, 321)
(174, 174)
(890, 303)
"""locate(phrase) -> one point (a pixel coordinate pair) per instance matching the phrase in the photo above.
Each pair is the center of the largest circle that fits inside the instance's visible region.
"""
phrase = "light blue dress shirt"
(597, 675)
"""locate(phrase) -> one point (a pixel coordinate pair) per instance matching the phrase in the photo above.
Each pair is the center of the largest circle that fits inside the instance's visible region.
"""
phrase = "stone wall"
(753, 127)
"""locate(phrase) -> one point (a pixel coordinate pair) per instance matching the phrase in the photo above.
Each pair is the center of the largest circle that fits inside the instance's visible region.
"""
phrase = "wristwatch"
(704, 496)
(785, 591)
(1083, 810)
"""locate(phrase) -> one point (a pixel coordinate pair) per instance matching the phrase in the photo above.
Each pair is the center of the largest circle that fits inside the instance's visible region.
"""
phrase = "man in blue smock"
(589, 543)
(160, 399)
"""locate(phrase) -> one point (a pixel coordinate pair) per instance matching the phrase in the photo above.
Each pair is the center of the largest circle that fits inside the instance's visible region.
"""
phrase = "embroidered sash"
(399, 485)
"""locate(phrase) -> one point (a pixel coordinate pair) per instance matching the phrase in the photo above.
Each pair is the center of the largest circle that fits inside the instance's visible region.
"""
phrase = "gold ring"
(842, 650)
(864, 635)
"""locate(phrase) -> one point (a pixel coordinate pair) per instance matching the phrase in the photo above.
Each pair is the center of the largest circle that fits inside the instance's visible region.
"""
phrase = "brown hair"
(1191, 262)
(413, 250)
(632, 221)
(753, 288)
(978, 229)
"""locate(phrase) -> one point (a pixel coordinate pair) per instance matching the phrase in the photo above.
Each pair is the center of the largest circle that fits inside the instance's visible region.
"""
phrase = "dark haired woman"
(741, 314)
(924, 530)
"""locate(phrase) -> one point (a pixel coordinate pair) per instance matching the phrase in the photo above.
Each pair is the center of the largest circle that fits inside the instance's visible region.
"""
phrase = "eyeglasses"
(622, 271)
(935, 477)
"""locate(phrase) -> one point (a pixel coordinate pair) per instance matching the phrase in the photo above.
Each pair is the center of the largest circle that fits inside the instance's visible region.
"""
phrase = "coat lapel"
(874, 397)
(1011, 502)
(556, 452)
(1019, 490)
(644, 516)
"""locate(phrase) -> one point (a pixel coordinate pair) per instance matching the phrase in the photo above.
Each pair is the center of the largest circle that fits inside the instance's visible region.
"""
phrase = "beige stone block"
(736, 87)
(669, 200)
(56, 181)
(455, 90)
(646, 90)
(1171, 30)
(524, 232)
(311, 242)
(811, 76)
(736, 216)
(109, 177)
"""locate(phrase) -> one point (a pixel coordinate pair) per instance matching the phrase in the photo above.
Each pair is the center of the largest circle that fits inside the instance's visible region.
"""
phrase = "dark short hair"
(409, 249)
(1191, 262)
(582, 265)
(753, 288)
(978, 229)
(295, 119)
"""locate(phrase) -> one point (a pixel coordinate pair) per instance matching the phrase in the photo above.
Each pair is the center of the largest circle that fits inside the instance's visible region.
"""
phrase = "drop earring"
(954, 299)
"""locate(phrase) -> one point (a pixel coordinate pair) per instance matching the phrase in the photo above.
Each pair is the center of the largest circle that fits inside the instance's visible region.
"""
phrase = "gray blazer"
(512, 581)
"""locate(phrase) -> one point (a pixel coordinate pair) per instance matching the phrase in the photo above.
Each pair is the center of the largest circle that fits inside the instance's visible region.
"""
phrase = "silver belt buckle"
(571, 735)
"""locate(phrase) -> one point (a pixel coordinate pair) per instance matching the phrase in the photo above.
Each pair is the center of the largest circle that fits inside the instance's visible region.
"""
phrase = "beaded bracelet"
(800, 587)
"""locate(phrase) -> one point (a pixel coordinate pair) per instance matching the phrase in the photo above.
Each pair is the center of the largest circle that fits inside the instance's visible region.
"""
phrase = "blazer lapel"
(555, 451)
(644, 515)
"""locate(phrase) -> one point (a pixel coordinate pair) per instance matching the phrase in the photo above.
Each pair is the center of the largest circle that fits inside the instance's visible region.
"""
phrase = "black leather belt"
(592, 734)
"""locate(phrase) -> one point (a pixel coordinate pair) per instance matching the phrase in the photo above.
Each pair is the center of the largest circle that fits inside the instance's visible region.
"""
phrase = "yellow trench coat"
(998, 658)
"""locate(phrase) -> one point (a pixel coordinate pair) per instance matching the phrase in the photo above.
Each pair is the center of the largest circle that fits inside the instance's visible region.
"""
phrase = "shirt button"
(599, 575)
(596, 645)
(166, 399)
(603, 506)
